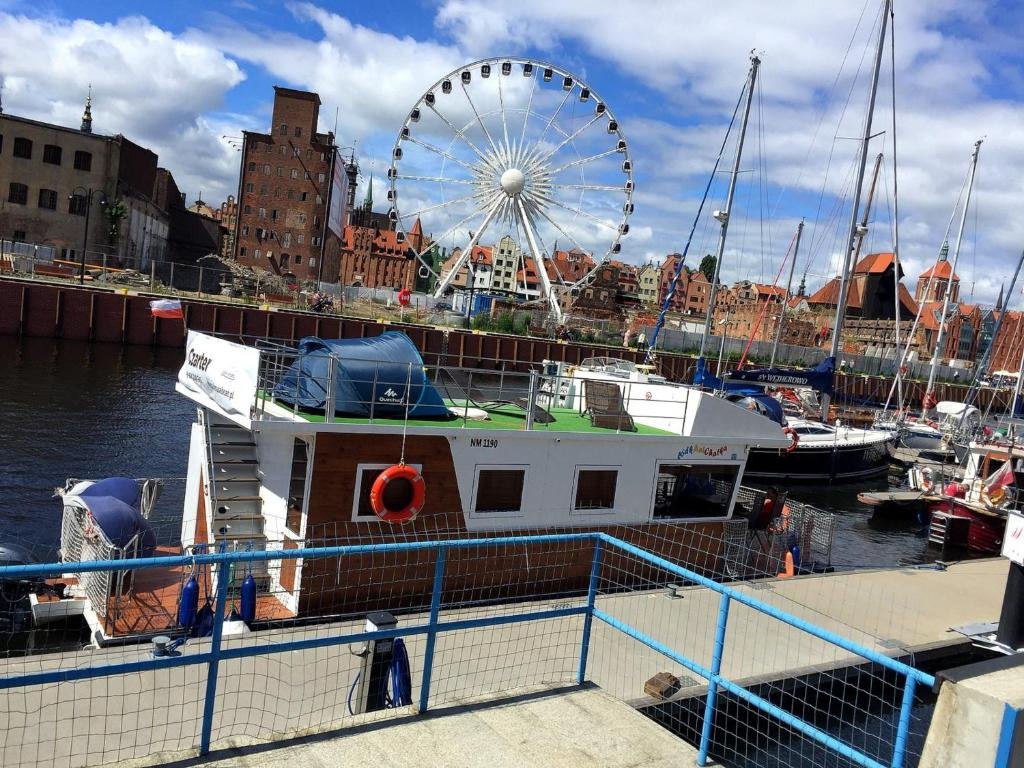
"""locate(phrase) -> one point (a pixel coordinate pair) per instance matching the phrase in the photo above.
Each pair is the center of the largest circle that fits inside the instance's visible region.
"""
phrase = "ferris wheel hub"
(512, 182)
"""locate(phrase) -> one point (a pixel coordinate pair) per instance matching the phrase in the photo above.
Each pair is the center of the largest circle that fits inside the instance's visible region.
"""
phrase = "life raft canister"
(794, 439)
(397, 494)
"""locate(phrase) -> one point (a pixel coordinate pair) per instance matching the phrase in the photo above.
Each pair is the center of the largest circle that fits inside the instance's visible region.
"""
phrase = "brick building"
(283, 192)
(371, 254)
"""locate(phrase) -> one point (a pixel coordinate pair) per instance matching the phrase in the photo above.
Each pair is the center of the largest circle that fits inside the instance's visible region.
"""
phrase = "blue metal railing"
(588, 610)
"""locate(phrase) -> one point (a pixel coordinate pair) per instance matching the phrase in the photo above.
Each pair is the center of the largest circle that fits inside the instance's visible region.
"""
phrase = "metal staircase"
(233, 469)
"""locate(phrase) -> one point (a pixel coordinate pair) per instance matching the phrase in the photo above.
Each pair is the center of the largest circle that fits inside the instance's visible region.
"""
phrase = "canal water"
(75, 409)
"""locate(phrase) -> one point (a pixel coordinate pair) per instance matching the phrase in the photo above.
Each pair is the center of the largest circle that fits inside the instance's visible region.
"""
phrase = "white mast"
(844, 278)
(723, 216)
(929, 395)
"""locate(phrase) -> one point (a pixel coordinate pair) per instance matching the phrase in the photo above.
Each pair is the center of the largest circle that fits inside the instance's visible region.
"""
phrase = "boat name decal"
(199, 360)
(710, 451)
(390, 395)
(483, 442)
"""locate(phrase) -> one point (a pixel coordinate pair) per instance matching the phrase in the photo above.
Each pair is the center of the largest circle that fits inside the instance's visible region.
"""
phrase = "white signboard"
(220, 375)
(1013, 538)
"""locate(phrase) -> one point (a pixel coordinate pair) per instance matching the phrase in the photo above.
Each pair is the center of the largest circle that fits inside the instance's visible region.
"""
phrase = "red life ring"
(409, 493)
(793, 437)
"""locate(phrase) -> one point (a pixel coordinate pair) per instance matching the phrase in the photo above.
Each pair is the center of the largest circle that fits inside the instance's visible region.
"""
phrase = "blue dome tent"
(367, 372)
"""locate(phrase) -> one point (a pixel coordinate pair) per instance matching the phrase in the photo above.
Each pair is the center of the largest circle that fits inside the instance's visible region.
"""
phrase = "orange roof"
(770, 290)
(942, 270)
(481, 254)
(908, 305)
(874, 264)
(929, 315)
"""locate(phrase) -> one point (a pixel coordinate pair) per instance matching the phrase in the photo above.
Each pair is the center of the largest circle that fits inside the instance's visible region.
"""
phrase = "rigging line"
(438, 179)
(479, 120)
(762, 177)
(895, 193)
(842, 114)
(767, 301)
(659, 324)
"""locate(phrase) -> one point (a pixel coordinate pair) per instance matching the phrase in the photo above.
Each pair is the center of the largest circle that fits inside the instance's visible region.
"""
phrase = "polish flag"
(167, 308)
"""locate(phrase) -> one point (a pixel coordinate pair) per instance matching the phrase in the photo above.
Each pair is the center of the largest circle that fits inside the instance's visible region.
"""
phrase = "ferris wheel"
(513, 156)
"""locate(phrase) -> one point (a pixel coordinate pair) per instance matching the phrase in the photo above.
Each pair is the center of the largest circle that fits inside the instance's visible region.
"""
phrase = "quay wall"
(31, 308)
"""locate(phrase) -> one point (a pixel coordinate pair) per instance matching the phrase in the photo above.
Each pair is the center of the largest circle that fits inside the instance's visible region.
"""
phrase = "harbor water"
(87, 410)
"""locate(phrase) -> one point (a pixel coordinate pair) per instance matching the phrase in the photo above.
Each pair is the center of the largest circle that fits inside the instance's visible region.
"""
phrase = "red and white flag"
(167, 308)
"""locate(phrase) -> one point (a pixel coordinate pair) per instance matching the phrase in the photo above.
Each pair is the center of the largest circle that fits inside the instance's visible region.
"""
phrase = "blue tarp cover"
(821, 378)
(112, 504)
(366, 371)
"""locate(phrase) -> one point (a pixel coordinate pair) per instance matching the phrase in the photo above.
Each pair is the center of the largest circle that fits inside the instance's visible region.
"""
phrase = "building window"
(249, 187)
(499, 490)
(595, 488)
(252, 167)
(19, 235)
(263, 190)
(314, 241)
(18, 193)
(245, 231)
(312, 261)
(273, 214)
(693, 491)
(286, 240)
(295, 173)
(23, 148)
(298, 131)
(319, 200)
(284, 260)
(266, 169)
(280, 171)
(304, 197)
(298, 259)
(284, 150)
(83, 160)
(300, 238)
(262, 213)
(246, 209)
(296, 151)
(77, 205)
(52, 154)
(284, 129)
(48, 199)
(306, 175)
(257, 253)
(241, 252)
(320, 177)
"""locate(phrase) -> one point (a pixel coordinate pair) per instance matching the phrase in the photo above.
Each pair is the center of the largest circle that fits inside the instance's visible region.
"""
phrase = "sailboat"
(819, 451)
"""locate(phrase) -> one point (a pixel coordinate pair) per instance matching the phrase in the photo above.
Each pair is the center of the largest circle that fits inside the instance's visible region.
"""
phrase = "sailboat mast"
(844, 278)
(789, 288)
(723, 216)
(937, 353)
(862, 230)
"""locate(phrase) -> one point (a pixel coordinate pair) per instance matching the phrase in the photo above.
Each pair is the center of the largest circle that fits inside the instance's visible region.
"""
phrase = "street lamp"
(88, 193)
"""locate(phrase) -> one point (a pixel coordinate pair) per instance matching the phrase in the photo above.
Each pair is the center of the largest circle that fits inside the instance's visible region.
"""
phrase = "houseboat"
(355, 441)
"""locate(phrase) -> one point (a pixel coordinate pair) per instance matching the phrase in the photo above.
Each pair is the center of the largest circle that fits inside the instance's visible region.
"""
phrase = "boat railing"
(303, 385)
(270, 681)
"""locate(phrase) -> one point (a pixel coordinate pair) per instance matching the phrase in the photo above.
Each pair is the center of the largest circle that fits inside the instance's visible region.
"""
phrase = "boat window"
(595, 488)
(297, 487)
(693, 491)
(499, 490)
(366, 475)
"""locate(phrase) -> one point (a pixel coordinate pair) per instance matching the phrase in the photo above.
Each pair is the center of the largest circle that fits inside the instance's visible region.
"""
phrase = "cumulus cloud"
(674, 70)
(163, 91)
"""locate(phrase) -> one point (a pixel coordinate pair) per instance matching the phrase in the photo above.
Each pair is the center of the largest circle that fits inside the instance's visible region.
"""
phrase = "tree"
(707, 266)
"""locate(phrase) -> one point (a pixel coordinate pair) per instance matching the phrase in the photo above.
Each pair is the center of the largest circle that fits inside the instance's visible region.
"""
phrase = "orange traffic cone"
(790, 569)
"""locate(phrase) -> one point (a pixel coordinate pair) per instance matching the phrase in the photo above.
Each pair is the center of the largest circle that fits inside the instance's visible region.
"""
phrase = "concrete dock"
(272, 697)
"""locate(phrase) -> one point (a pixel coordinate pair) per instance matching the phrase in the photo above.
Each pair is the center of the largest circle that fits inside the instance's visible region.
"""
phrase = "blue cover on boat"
(119, 520)
(703, 378)
(821, 377)
(366, 371)
(763, 403)
(123, 488)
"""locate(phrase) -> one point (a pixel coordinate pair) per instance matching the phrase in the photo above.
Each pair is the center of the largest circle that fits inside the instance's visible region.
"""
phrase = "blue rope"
(400, 693)
(679, 267)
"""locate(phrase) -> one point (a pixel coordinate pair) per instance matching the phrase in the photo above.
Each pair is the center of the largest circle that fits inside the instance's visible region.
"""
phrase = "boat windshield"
(609, 365)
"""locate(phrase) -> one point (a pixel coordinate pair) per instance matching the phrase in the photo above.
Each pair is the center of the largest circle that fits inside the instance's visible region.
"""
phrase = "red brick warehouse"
(284, 191)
